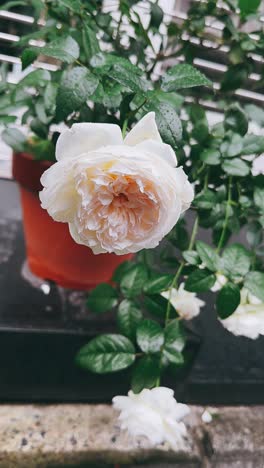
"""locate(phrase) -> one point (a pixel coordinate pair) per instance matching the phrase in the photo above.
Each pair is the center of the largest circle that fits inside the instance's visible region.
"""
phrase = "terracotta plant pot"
(52, 253)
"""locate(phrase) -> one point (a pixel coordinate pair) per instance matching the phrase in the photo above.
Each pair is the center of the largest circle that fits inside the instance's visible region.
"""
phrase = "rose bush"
(124, 193)
(115, 193)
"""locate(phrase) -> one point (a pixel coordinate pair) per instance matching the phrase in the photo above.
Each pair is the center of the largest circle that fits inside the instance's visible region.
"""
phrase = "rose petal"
(160, 149)
(85, 137)
(145, 129)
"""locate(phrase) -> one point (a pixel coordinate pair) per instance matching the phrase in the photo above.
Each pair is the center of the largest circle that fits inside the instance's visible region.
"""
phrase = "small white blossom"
(154, 414)
(248, 318)
(186, 303)
(220, 281)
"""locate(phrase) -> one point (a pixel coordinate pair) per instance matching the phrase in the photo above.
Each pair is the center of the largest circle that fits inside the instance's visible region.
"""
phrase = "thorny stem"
(228, 204)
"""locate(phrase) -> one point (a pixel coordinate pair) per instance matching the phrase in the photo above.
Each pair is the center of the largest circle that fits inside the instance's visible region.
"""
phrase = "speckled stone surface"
(38, 436)
(64, 435)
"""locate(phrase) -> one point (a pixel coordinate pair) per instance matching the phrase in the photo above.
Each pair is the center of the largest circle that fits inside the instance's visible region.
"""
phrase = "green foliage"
(146, 373)
(64, 48)
(158, 284)
(254, 282)
(133, 281)
(183, 76)
(174, 343)
(228, 299)
(235, 261)
(76, 87)
(208, 256)
(106, 353)
(122, 85)
(200, 281)
(129, 316)
(150, 336)
(102, 298)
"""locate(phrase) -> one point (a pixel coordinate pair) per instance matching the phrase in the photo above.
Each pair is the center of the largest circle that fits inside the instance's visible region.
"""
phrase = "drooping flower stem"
(181, 266)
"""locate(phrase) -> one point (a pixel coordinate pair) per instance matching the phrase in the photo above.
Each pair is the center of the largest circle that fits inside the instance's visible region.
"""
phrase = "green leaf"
(77, 85)
(208, 256)
(228, 299)
(150, 336)
(259, 197)
(156, 305)
(14, 138)
(236, 119)
(191, 256)
(174, 99)
(168, 122)
(254, 234)
(50, 94)
(106, 353)
(236, 167)
(175, 340)
(65, 49)
(236, 261)
(28, 56)
(74, 5)
(128, 318)
(90, 41)
(159, 284)
(254, 282)
(156, 16)
(205, 200)
(248, 6)
(255, 113)
(145, 373)
(121, 270)
(200, 281)
(211, 156)
(253, 144)
(235, 146)
(129, 77)
(36, 78)
(133, 281)
(102, 298)
(183, 76)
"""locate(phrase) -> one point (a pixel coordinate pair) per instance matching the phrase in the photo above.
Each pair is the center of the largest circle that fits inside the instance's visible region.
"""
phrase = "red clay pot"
(52, 253)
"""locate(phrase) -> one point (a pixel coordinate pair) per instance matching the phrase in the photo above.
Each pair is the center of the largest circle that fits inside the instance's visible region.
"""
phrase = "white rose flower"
(248, 318)
(154, 414)
(186, 303)
(220, 281)
(116, 195)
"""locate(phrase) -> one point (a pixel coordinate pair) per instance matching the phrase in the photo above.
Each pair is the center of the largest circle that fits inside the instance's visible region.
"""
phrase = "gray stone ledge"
(36, 436)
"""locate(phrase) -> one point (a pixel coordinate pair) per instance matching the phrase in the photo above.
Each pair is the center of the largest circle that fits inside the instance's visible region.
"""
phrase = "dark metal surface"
(42, 327)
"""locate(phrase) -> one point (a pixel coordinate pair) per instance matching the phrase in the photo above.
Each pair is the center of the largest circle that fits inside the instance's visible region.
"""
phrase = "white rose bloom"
(154, 414)
(220, 281)
(248, 318)
(186, 303)
(116, 195)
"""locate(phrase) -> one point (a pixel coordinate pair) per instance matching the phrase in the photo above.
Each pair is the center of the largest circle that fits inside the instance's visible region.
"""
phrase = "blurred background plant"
(115, 62)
